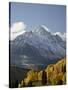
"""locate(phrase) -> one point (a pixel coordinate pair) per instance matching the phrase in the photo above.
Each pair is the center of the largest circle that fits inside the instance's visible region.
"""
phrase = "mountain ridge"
(38, 46)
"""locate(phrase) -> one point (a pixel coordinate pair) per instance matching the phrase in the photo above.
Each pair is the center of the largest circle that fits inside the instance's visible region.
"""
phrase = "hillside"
(54, 74)
(16, 75)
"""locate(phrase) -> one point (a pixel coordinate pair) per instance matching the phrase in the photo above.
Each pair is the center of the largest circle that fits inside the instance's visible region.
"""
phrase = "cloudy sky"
(27, 16)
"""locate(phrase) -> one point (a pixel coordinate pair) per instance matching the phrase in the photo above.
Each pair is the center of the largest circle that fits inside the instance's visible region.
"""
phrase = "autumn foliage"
(54, 74)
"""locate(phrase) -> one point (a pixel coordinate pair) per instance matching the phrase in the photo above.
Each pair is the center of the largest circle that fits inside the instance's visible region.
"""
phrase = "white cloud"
(17, 29)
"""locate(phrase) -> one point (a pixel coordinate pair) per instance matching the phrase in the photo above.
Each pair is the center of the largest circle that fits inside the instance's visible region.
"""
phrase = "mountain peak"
(45, 28)
(41, 30)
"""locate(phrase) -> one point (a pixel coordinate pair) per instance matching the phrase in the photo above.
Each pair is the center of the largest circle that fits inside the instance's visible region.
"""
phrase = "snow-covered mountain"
(62, 35)
(38, 46)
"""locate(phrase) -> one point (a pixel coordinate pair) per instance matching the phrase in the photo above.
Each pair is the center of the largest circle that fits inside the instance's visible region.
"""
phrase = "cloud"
(62, 35)
(16, 29)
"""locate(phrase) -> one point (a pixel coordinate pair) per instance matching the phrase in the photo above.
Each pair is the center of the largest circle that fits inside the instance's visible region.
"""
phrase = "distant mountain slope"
(16, 75)
(36, 47)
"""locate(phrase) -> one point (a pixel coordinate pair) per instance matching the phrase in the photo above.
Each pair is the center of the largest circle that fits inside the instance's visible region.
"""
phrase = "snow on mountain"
(62, 35)
(40, 46)
(43, 26)
(41, 30)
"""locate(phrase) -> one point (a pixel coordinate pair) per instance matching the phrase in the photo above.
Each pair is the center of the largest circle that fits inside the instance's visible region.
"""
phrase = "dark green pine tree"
(16, 83)
(60, 82)
(44, 78)
(30, 84)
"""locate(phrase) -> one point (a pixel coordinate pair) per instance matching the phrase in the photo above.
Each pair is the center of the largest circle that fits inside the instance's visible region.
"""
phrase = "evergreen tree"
(16, 83)
(44, 78)
(60, 82)
(30, 84)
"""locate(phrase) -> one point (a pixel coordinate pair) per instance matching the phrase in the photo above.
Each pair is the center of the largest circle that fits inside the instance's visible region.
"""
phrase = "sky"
(32, 15)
